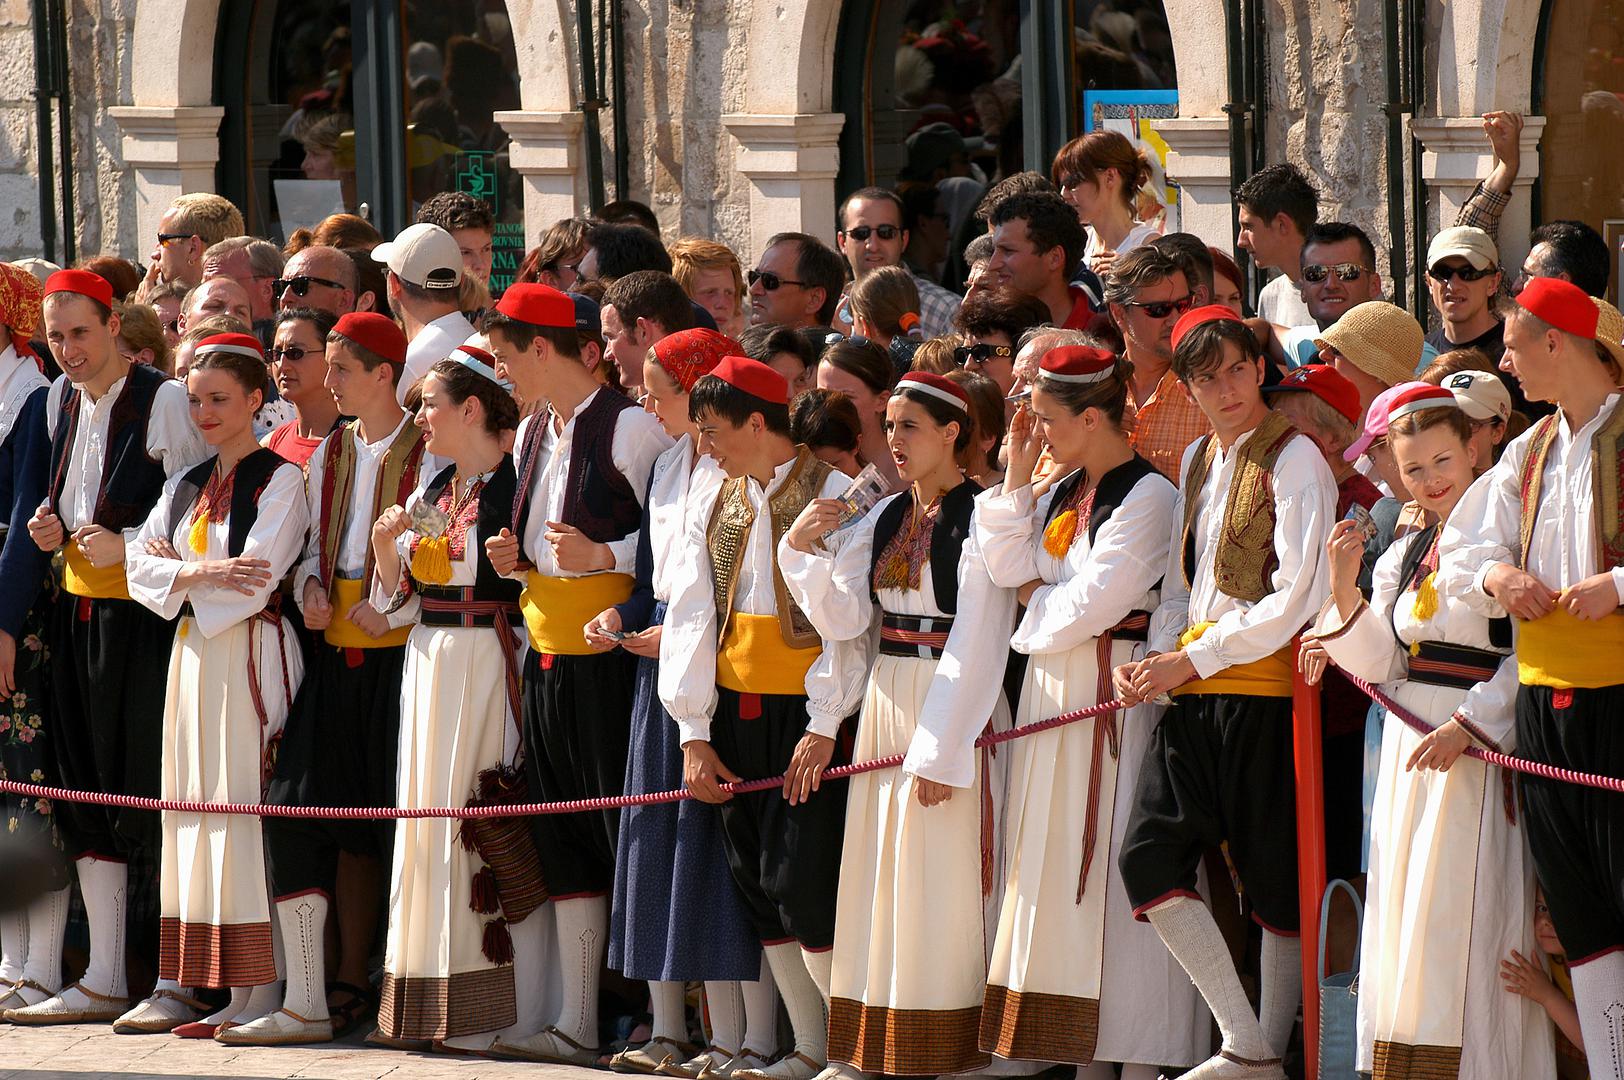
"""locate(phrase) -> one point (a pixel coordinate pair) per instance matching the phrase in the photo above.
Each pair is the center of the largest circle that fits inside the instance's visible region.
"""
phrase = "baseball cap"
(1469, 243)
(1376, 418)
(1481, 394)
(423, 255)
(1325, 383)
(1380, 339)
(588, 315)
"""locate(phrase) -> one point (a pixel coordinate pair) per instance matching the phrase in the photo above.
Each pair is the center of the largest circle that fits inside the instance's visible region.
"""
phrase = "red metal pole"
(1305, 715)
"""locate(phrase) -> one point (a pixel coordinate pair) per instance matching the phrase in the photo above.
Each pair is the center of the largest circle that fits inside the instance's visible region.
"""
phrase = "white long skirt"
(1450, 894)
(909, 961)
(454, 724)
(214, 909)
(1075, 981)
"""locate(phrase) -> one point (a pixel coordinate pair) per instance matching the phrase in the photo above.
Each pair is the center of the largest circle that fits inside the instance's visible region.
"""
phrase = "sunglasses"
(1441, 273)
(1161, 309)
(964, 354)
(290, 352)
(836, 337)
(1314, 273)
(167, 238)
(771, 282)
(301, 285)
(884, 232)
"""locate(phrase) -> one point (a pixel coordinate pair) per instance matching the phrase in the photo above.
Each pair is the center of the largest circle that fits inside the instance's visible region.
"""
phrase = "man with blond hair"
(191, 225)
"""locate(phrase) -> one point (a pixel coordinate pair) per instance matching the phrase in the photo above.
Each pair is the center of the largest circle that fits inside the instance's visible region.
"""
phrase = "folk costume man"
(1539, 537)
(757, 692)
(583, 466)
(1245, 573)
(342, 738)
(118, 431)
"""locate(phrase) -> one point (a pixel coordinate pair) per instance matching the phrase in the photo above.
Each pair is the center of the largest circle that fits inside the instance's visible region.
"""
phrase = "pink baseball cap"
(1376, 419)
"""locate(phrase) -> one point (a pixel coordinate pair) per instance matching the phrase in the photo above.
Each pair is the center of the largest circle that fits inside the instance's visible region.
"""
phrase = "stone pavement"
(92, 1050)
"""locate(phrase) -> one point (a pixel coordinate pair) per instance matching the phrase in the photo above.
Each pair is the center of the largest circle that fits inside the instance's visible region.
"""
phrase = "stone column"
(172, 150)
(791, 162)
(1198, 159)
(1455, 156)
(546, 151)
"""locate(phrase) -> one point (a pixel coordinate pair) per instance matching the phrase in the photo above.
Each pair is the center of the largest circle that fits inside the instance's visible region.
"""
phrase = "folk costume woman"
(909, 960)
(213, 551)
(677, 916)
(1451, 888)
(448, 971)
(1074, 978)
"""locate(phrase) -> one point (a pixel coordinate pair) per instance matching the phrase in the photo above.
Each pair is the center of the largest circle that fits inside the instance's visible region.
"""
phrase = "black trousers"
(339, 748)
(110, 672)
(1576, 834)
(577, 733)
(1219, 768)
(785, 859)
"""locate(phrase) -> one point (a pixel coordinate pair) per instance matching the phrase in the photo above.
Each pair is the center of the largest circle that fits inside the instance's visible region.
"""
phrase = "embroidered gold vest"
(1246, 558)
(1607, 475)
(729, 529)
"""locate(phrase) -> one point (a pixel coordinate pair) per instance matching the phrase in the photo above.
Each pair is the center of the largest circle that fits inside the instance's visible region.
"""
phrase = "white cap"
(1469, 243)
(423, 255)
(1481, 394)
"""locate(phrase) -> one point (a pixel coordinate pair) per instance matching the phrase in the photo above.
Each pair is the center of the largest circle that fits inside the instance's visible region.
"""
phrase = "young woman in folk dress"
(213, 551)
(1074, 978)
(1451, 889)
(909, 958)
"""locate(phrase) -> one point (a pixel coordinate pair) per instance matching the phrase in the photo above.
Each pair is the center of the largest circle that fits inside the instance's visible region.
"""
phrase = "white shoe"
(704, 1063)
(1226, 1066)
(164, 1011)
(744, 1059)
(76, 1004)
(18, 997)
(548, 1045)
(652, 1056)
(280, 1028)
(792, 1066)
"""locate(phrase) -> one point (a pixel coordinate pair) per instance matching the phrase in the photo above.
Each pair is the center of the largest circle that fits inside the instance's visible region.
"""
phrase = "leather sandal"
(792, 1066)
(648, 1059)
(53, 1010)
(548, 1045)
(275, 1029)
(702, 1063)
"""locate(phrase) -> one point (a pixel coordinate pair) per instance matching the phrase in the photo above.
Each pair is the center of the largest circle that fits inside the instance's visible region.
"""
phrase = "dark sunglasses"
(290, 352)
(1314, 273)
(1441, 273)
(981, 353)
(301, 285)
(835, 337)
(863, 232)
(167, 238)
(1161, 309)
(770, 281)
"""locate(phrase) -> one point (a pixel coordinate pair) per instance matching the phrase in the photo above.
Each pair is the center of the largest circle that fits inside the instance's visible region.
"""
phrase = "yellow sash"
(556, 608)
(755, 659)
(343, 634)
(82, 579)
(1564, 653)
(1268, 677)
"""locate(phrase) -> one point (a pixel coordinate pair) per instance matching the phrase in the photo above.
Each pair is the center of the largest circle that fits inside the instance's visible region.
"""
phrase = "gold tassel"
(198, 538)
(1058, 537)
(431, 562)
(1426, 598)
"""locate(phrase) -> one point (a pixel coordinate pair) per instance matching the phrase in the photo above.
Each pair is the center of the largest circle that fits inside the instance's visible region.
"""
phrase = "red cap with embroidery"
(1078, 363)
(538, 305)
(937, 386)
(689, 354)
(754, 378)
(376, 333)
(82, 282)
(1421, 397)
(1196, 316)
(1327, 384)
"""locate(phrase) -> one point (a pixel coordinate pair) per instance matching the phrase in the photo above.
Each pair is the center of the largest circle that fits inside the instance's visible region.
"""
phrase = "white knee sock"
(1187, 928)
(531, 966)
(303, 920)
(47, 918)
(1281, 967)
(820, 965)
(583, 933)
(725, 1004)
(238, 1002)
(802, 1000)
(666, 1004)
(760, 1012)
(13, 945)
(263, 1000)
(105, 887)
(1598, 992)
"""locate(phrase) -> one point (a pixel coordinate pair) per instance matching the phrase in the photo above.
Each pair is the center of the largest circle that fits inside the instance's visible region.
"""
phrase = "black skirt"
(30, 849)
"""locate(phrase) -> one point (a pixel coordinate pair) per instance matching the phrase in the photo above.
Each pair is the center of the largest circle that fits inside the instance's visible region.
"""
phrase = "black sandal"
(363, 1000)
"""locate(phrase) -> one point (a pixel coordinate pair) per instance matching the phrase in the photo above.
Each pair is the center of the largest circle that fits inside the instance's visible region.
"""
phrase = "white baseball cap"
(1469, 243)
(423, 255)
(1481, 394)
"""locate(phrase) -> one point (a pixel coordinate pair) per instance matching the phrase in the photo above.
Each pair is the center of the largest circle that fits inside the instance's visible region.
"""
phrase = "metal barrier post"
(1305, 719)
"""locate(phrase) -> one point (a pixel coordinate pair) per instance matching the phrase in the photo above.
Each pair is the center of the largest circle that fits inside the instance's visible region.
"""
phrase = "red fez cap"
(1327, 384)
(82, 282)
(754, 378)
(538, 305)
(376, 333)
(689, 354)
(937, 386)
(1077, 363)
(1562, 304)
(1421, 397)
(1196, 316)
(237, 344)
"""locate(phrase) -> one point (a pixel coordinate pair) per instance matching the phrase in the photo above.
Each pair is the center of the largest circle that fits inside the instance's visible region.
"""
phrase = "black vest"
(253, 473)
(598, 500)
(946, 539)
(1409, 569)
(131, 480)
(495, 513)
(1113, 487)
